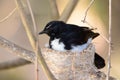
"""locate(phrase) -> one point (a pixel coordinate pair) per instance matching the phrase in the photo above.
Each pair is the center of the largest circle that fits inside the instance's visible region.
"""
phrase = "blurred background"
(12, 30)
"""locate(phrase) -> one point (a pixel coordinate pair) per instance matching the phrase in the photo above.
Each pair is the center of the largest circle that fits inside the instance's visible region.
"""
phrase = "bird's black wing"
(81, 29)
(77, 35)
(73, 38)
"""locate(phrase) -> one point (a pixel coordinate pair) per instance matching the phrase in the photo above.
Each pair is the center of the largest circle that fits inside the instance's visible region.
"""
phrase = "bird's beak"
(42, 32)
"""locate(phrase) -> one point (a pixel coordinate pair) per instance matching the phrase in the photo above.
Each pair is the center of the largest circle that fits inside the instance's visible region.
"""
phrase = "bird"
(71, 37)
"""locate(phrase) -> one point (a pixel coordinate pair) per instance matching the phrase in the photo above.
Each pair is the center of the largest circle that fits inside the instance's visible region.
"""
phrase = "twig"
(97, 31)
(68, 10)
(54, 8)
(110, 34)
(36, 41)
(13, 63)
(28, 26)
(84, 20)
(10, 14)
(86, 11)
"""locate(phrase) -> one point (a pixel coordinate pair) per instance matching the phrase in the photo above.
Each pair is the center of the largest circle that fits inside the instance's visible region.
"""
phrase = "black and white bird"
(71, 37)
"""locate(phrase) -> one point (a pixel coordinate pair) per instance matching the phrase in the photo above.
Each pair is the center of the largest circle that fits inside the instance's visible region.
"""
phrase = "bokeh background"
(12, 30)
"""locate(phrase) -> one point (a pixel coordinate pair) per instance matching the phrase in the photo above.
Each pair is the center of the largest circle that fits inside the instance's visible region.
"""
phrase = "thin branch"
(54, 9)
(26, 22)
(13, 63)
(110, 39)
(84, 20)
(10, 14)
(68, 10)
(97, 31)
(86, 11)
(35, 32)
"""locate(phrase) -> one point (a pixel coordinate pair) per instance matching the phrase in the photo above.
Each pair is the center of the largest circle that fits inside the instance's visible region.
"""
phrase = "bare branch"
(35, 32)
(28, 27)
(13, 48)
(97, 31)
(13, 63)
(86, 11)
(54, 8)
(110, 40)
(68, 10)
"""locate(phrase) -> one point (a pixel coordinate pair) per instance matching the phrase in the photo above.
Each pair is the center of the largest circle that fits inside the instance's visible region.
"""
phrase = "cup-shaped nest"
(72, 65)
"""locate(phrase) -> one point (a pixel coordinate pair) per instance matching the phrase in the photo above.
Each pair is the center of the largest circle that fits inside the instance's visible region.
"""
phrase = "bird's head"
(53, 28)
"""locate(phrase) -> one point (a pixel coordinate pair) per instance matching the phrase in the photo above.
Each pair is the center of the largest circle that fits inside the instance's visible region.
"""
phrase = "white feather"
(80, 48)
(56, 45)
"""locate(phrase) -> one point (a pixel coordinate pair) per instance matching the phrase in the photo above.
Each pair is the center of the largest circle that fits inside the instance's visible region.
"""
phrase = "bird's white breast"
(56, 45)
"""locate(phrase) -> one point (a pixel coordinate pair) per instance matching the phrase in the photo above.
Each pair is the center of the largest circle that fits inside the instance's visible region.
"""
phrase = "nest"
(72, 65)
